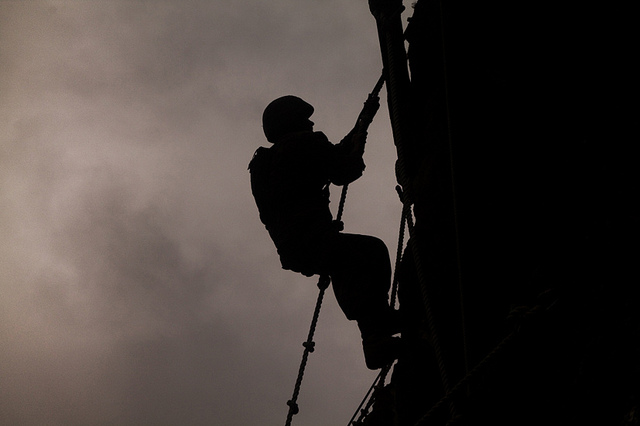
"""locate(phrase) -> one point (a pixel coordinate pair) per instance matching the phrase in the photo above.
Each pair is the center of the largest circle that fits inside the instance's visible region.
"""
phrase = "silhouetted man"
(290, 183)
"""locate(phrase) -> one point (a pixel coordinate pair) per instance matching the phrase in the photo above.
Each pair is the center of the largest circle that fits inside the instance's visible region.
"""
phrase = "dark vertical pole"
(396, 73)
(394, 56)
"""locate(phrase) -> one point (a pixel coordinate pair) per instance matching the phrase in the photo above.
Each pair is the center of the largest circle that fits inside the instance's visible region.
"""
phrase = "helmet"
(284, 115)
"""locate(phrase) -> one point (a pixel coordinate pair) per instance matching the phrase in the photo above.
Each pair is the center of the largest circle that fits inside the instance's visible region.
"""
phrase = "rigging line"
(526, 314)
(445, 73)
(426, 301)
(399, 251)
(343, 199)
(379, 379)
(309, 346)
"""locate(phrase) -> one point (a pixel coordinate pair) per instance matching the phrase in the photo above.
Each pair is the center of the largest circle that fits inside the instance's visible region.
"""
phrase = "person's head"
(287, 114)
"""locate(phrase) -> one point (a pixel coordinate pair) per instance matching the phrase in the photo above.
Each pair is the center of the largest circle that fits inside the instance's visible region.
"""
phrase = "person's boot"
(395, 322)
(380, 351)
(379, 346)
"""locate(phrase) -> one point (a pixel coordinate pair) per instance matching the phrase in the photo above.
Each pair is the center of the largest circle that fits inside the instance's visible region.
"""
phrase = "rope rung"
(323, 282)
(293, 407)
(309, 346)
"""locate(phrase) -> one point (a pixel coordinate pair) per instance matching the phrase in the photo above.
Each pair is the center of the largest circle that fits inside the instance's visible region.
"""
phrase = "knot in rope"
(293, 407)
(405, 196)
(323, 282)
(309, 346)
(338, 225)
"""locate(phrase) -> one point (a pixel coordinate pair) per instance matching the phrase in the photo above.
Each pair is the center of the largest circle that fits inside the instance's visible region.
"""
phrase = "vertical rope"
(378, 383)
(399, 250)
(343, 198)
(309, 346)
(426, 301)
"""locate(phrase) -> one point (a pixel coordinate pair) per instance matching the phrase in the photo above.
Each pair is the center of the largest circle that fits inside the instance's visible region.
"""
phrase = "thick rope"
(399, 251)
(426, 301)
(396, 120)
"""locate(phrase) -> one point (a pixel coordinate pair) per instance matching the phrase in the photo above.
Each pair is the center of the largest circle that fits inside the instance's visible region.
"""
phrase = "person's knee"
(361, 255)
(370, 244)
(381, 247)
(377, 250)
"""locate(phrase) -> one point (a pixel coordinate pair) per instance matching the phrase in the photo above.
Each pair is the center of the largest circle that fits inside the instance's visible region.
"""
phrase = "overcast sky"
(137, 284)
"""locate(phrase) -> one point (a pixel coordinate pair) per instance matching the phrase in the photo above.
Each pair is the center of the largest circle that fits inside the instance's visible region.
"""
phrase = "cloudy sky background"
(137, 285)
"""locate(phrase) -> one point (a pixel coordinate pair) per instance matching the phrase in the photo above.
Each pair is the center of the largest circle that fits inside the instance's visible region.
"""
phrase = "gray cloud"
(138, 285)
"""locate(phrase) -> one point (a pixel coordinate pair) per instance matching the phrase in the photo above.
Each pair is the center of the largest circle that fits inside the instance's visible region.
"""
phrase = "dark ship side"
(518, 284)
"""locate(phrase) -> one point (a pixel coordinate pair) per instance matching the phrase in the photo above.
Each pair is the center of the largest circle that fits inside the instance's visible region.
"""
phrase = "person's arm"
(348, 162)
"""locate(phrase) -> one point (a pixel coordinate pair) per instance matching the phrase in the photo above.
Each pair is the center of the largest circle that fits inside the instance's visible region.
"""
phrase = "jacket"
(290, 184)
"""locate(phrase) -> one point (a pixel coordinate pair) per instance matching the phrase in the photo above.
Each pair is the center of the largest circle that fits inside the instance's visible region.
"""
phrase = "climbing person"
(290, 183)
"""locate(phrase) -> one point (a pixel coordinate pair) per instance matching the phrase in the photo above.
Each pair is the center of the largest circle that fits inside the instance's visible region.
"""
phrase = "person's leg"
(360, 272)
